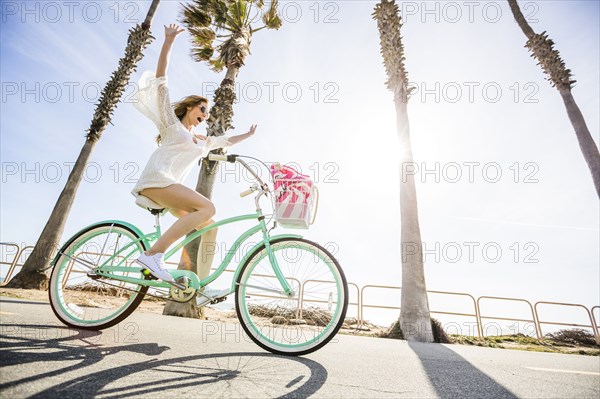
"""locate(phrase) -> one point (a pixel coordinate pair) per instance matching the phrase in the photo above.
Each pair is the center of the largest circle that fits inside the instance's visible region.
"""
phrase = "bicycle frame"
(106, 271)
(107, 268)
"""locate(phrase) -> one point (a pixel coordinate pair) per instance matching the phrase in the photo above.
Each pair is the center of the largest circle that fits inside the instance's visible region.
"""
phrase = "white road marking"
(564, 371)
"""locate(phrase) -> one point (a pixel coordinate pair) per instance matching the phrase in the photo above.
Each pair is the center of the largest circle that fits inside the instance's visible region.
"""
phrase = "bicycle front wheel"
(301, 323)
(82, 299)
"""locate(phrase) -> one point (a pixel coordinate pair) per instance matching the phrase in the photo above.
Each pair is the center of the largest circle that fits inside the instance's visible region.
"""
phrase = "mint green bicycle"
(291, 294)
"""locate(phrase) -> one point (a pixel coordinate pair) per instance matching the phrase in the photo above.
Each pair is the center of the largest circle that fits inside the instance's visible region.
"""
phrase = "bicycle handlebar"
(222, 157)
(234, 158)
(247, 192)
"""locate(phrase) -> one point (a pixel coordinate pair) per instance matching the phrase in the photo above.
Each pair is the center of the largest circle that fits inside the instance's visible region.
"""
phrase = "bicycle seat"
(150, 205)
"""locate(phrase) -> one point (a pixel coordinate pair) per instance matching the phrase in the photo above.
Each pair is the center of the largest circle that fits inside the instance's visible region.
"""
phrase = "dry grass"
(279, 315)
(524, 342)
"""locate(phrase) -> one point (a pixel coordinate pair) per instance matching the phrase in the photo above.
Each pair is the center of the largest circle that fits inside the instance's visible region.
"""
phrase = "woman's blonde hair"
(181, 107)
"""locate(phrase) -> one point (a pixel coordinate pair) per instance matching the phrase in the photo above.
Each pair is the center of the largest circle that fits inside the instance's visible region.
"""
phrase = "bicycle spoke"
(87, 300)
(298, 324)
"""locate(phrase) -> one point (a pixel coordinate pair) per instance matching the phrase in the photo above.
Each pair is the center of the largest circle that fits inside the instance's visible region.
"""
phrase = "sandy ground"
(154, 305)
(148, 305)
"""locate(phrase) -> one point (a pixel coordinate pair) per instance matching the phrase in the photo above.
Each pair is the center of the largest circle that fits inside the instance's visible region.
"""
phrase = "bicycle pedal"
(149, 276)
(218, 300)
(204, 301)
(93, 275)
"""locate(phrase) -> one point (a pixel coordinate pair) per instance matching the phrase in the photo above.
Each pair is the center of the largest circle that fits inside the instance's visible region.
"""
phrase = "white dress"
(172, 161)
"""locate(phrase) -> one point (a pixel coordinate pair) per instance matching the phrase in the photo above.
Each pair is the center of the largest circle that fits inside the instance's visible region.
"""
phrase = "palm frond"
(236, 14)
(195, 16)
(219, 9)
(249, 10)
(203, 36)
(271, 19)
(205, 19)
(216, 65)
(200, 54)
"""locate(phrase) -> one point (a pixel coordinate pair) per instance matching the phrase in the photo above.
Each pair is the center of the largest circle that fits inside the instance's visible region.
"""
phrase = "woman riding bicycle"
(179, 148)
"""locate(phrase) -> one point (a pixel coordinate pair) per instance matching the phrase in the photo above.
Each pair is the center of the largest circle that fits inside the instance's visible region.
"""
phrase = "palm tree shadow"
(452, 376)
(207, 372)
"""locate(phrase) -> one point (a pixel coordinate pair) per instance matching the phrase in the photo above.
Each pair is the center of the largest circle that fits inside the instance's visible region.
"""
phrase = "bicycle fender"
(121, 222)
(254, 249)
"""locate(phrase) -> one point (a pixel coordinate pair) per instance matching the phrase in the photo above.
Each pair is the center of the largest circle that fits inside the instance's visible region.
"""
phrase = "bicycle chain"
(101, 280)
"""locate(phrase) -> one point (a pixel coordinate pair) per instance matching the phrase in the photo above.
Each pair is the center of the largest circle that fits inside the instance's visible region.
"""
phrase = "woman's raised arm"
(171, 32)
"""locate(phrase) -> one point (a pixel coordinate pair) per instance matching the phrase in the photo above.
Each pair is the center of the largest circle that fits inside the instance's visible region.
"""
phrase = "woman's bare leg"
(199, 211)
(178, 213)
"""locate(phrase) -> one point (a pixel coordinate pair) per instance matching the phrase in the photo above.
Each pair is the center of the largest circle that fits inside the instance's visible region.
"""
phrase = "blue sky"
(316, 90)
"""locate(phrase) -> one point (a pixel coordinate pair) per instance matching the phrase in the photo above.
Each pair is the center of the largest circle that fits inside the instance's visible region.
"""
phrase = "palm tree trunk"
(584, 137)
(150, 14)
(415, 319)
(218, 123)
(34, 275)
(520, 19)
(560, 78)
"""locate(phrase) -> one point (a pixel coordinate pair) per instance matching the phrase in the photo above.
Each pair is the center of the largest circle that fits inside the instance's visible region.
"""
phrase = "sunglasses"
(203, 109)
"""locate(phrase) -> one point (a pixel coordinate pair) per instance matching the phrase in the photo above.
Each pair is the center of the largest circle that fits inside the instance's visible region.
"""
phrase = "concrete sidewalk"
(149, 355)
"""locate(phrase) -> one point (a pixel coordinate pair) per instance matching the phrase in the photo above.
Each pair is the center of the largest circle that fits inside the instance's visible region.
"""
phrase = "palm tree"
(221, 33)
(415, 320)
(561, 78)
(34, 275)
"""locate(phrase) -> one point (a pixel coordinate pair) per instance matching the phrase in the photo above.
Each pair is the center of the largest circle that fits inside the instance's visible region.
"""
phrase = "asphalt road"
(150, 355)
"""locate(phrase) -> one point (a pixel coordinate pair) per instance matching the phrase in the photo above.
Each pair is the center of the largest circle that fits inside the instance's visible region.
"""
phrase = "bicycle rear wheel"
(301, 323)
(82, 299)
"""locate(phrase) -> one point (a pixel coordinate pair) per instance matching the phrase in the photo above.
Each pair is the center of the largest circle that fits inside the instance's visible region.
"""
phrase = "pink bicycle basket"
(296, 197)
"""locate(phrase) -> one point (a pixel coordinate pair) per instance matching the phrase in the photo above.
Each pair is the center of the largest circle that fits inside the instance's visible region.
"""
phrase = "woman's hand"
(199, 136)
(172, 31)
(240, 137)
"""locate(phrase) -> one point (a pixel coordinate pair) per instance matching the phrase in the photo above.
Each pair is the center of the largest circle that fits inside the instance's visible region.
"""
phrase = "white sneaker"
(210, 295)
(154, 264)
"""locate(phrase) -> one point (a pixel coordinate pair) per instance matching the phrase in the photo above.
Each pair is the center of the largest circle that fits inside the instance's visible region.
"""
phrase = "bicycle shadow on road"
(216, 375)
(29, 343)
(452, 376)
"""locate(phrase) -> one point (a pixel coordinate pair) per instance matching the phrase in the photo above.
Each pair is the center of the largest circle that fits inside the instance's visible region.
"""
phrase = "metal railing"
(475, 306)
(594, 318)
(538, 332)
(592, 324)
(14, 264)
(535, 318)
(361, 304)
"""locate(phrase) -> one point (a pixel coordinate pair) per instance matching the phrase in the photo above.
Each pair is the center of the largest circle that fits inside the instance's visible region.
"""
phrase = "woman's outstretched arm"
(171, 32)
(240, 137)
